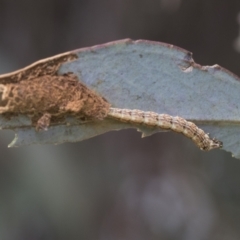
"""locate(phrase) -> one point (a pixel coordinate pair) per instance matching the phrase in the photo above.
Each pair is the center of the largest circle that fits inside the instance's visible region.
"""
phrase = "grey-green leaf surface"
(148, 76)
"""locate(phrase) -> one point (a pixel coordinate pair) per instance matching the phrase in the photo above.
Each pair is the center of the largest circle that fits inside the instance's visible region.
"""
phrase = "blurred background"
(117, 185)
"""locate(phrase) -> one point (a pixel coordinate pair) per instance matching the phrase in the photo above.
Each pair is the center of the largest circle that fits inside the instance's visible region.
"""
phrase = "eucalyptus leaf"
(148, 76)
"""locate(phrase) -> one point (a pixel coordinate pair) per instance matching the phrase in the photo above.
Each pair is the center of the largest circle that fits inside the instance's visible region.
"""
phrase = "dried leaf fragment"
(56, 96)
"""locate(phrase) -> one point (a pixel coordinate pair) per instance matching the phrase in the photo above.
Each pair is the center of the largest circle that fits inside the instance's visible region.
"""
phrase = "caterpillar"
(165, 121)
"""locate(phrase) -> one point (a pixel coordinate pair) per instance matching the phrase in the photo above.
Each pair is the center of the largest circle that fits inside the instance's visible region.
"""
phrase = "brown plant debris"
(52, 96)
(46, 97)
(48, 66)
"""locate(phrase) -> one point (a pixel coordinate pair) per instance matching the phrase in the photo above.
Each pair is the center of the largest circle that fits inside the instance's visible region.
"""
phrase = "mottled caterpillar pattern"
(165, 121)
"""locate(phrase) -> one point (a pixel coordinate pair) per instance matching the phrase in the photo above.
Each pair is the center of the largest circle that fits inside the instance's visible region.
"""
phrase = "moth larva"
(165, 121)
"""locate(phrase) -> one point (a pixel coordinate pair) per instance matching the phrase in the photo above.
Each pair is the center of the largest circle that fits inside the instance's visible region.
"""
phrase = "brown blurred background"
(118, 186)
